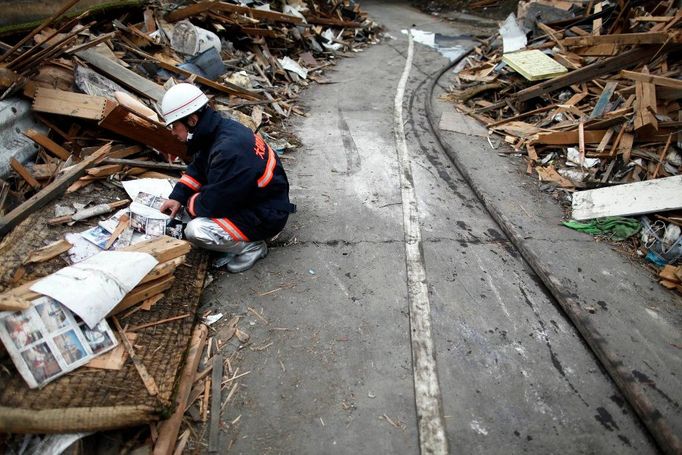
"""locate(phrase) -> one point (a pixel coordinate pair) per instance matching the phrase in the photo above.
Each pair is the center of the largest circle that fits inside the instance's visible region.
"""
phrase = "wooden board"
(631, 199)
(51, 191)
(77, 105)
(534, 65)
(133, 81)
(122, 121)
(48, 144)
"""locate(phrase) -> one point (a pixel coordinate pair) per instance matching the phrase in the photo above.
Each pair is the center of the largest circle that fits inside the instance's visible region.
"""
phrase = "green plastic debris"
(616, 227)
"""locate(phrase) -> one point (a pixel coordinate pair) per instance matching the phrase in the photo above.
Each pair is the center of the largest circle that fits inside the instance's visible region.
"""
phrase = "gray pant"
(206, 233)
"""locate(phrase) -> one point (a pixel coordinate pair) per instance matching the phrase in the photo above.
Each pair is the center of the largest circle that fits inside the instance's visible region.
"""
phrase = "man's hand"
(171, 207)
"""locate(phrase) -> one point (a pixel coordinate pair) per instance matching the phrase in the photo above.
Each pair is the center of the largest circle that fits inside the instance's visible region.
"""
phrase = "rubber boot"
(244, 261)
(223, 259)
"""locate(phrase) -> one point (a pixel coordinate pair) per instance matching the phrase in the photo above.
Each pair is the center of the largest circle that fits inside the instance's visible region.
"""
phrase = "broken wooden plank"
(168, 429)
(214, 426)
(143, 292)
(630, 199)
(131, 80)
(48, 252)
(123, 121)
(653, 79)
(24, 173)
(568, 137)
(625, 38)
(645, 114)
(10, 302)
(123, 224)
(147, 379)
(51, 191)
(77, 105)
(48, 144)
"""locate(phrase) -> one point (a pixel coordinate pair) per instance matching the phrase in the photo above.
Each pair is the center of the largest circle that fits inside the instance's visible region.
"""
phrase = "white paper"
(513, 38)
(92, 288)
(81, 249)
(573, 155)
(157, 187)
(290, 65)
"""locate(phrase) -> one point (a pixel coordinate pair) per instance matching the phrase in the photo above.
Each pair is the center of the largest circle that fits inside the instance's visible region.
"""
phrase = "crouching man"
(235, 188)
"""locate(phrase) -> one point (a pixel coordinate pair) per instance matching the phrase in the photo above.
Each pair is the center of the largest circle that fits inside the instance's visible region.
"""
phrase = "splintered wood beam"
(51, 191)
(127, 123)
(645, 114)
(24, 173)
(653, 79)
(147, 378)
(568, 137)
(624, 38)
(48, 144)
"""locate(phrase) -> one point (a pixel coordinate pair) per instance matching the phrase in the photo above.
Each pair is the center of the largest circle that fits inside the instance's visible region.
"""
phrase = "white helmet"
(180, 101)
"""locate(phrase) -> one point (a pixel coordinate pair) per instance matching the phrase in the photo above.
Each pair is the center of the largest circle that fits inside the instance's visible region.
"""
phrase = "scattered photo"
(155, 228)
(99, 339)
(70, 347)
(97, 235)
(138, 222)
(145, 198)
(174, 229)
(53, 315)
(41, 363)
(150, 200)
(22, 329)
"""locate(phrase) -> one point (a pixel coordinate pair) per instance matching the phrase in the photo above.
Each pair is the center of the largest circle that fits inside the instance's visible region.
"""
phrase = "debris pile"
(589, 93)
(94, 84)
(95, 80)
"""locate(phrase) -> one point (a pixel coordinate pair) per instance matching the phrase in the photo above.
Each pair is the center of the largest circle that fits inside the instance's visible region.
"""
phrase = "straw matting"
(88, 399)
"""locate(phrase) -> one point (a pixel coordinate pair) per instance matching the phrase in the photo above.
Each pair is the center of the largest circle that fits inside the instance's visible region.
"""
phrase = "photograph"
(174, 229)
(156, 228)
(145, 199)
(97, 235)
(98, 338)
(52, 313)
(150, 200)
(41, 362)
(22, 329)
(138, 222)
(70, 346)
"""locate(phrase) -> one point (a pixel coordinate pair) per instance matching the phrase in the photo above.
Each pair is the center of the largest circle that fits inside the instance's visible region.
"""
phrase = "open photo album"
(46, 340)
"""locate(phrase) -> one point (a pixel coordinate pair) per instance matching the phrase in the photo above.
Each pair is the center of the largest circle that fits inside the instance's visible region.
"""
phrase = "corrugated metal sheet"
(15, 118)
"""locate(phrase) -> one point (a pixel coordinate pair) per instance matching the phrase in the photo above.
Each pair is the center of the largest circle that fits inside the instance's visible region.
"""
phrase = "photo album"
(46, 340)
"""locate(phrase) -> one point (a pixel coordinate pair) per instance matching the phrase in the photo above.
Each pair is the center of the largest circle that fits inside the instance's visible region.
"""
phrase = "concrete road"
(329, 312)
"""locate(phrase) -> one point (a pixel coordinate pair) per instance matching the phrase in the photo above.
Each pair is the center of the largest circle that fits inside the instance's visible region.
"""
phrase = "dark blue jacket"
(235, 178)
